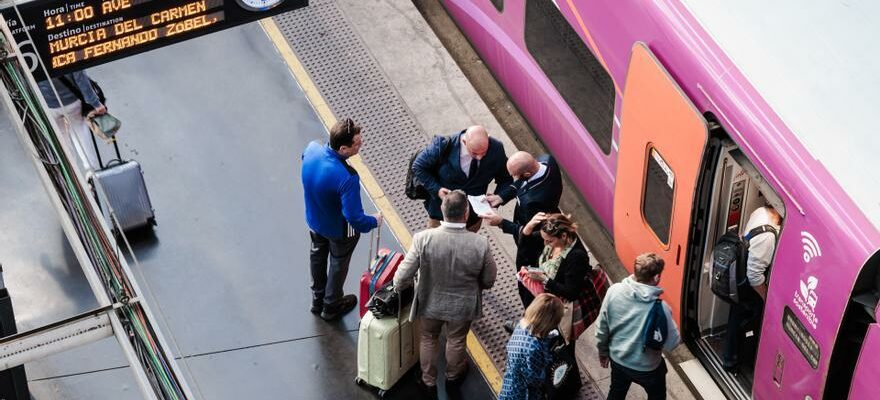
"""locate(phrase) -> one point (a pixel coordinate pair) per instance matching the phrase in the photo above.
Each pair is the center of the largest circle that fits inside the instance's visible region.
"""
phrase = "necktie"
(475, 164)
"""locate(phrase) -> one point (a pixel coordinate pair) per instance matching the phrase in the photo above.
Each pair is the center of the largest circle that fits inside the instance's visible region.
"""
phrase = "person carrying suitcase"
(454, 266)
(335, 216)
(78, 97)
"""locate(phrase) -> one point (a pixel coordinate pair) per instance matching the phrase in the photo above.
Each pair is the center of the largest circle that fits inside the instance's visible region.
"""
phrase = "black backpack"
(729, 263)
(413, 188)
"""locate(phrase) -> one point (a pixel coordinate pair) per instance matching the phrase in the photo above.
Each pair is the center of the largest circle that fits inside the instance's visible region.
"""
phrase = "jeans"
(456, 348)
(327, 281)
(742, 315)
(78, 131)
(622, 378)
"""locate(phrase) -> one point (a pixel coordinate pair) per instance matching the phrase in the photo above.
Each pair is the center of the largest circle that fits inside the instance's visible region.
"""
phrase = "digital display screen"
(76, 34)
(802, 339)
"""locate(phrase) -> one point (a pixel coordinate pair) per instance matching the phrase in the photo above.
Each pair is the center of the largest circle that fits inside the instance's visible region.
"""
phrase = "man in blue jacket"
(469, 161)
(335, 216)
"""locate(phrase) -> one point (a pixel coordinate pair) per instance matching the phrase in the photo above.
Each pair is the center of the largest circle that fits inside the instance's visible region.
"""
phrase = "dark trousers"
(524, 294)
(328, 278)
(654, 382)
(742, 315)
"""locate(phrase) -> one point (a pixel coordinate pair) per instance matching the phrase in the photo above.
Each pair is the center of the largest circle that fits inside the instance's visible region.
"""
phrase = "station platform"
(219, 123)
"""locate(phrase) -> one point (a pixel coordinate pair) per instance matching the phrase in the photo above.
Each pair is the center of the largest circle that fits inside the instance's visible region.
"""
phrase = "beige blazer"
(451, 267)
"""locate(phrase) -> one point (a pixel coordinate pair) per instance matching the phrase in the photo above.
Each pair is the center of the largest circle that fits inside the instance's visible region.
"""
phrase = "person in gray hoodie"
(620, 331)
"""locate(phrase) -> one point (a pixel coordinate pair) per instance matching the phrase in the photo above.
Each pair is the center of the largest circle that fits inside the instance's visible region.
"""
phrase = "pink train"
(677, 118)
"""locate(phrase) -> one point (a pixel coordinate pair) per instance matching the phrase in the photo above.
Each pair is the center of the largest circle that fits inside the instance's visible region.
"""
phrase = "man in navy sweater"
(335, 216)
(468, 160)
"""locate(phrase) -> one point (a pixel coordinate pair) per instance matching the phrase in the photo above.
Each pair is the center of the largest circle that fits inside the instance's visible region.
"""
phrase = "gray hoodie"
(621, 319)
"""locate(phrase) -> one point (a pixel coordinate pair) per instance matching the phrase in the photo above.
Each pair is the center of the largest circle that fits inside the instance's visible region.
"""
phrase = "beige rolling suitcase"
(387, 349)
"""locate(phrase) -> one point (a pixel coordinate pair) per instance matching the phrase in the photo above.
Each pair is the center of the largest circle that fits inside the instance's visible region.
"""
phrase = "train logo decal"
(806, 299)
(811, 246)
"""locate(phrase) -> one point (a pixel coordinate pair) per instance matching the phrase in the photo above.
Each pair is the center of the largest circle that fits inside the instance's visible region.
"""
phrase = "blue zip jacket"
(332, 194)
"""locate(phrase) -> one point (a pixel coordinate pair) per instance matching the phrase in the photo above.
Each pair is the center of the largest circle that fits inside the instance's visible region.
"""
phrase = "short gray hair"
(455, 206)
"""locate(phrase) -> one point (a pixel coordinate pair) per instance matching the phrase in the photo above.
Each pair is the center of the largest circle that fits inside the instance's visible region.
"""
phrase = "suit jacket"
(540, 195)
(439, 166)
(451, 267)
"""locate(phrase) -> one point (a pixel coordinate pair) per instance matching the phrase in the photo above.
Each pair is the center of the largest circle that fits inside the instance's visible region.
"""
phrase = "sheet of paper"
(479, 204)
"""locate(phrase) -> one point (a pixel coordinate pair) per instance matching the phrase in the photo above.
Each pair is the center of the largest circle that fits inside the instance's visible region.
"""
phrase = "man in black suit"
(468, 160)
(538, 189)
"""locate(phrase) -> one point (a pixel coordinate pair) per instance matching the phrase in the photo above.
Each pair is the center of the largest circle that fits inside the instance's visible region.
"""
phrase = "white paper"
(480, 205)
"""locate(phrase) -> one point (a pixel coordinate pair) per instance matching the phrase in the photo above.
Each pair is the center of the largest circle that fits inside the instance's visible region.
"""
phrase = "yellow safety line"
(371, 185)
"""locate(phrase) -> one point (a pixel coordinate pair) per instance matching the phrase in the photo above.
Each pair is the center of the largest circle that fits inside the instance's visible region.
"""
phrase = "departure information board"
(71, 35)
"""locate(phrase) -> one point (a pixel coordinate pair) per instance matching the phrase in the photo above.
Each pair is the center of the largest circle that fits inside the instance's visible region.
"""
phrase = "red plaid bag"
(592, 296)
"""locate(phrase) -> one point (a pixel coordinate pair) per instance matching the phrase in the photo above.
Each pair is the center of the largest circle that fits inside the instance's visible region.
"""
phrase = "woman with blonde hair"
(528, 352)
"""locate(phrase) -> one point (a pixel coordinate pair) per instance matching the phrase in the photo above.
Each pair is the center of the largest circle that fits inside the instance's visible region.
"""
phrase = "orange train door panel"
(662, 138)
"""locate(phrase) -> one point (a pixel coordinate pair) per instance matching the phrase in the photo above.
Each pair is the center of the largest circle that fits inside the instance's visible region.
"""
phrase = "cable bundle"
(102, 251)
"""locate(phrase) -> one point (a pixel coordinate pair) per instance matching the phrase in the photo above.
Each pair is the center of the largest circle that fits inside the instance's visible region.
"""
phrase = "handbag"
(572, 324)
(105, 126)
(386, 302)
(593, 295)
(561, 368)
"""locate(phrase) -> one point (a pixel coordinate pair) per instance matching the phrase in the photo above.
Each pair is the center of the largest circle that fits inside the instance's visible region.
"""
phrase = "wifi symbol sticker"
(811, 246)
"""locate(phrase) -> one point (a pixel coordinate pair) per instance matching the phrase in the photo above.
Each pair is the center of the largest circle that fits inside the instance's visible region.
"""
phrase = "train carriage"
(676, 118)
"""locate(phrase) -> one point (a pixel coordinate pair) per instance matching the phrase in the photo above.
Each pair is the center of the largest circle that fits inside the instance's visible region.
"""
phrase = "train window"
(657, 198)
(572, 68)
(499, 4)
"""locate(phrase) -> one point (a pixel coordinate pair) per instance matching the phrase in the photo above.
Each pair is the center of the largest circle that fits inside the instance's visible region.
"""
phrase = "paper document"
(480, 205)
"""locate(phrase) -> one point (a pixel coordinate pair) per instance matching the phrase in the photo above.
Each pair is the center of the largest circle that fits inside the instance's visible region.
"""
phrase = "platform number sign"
(71, 35)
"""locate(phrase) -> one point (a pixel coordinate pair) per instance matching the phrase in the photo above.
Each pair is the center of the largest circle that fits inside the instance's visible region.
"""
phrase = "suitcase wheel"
(358, 381)
(382, 393)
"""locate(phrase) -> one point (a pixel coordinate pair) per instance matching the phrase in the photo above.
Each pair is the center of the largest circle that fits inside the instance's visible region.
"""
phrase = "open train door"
(662, 139)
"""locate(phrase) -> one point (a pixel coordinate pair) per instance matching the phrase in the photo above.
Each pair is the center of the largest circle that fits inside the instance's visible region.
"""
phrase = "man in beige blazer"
(451, 267)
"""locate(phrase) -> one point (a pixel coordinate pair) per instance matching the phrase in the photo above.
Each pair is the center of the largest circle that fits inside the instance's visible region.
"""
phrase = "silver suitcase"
(123, 183)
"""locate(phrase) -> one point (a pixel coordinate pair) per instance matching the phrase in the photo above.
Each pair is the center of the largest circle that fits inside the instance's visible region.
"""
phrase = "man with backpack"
(634, 328)
(758, 247)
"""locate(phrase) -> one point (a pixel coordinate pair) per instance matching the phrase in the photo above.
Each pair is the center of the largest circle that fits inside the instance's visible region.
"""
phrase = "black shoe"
(509, 326)
(317, 306)
(428, 392)
(339, 307)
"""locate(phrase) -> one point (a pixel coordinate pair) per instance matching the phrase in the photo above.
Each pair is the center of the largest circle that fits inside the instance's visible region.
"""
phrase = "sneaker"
(339, 307)
(509, 326)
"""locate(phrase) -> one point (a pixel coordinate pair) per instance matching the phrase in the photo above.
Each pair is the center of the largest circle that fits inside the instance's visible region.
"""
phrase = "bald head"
(476, 140)
(521, 165)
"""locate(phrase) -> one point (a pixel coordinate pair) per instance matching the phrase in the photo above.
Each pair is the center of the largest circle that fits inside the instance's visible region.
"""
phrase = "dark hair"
(454, 206)
(559, 225)
(647, 266)
(343, 133)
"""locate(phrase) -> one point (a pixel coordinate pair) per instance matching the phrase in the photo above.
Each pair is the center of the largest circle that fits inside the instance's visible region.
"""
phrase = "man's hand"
(379, 219)
(762, 291)
(603, 361)
(494, 200)
(492, 218)
(101, 110)
(442, 192)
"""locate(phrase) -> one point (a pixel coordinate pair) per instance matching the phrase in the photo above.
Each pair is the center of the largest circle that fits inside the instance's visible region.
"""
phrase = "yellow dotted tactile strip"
(392, 219)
